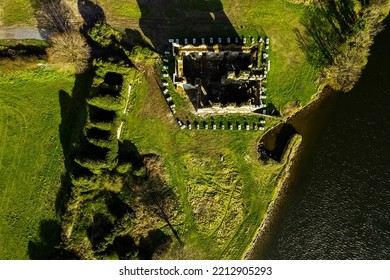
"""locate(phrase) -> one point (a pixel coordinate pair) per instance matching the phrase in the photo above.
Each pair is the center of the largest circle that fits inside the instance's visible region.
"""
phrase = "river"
(338, 202)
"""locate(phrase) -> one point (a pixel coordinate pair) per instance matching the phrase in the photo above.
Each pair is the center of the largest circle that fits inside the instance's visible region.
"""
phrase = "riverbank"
(336, 206)
(301, 120)
(289, 159)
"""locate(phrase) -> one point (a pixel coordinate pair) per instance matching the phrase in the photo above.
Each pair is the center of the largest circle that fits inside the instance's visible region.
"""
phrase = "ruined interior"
(220, 76)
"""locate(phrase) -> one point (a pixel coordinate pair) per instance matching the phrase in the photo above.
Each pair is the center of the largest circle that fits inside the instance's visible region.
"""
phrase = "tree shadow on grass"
(100, 228)
(45, 247)
(125, 247)
(129, 152)
(326, 27)
(163, 19)
(53, 16)
(11, 52)
(73, 119)
(156, 241)
(157, 195)
(116, 206)
(92, 13)
(133, 37)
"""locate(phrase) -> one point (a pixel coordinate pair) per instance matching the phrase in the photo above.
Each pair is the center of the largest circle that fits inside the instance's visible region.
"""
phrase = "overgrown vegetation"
(113, 188)
(337, 37)
(174, 205)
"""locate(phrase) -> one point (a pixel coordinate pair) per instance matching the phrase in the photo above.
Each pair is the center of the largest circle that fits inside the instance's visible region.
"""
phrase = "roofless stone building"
(220, 78)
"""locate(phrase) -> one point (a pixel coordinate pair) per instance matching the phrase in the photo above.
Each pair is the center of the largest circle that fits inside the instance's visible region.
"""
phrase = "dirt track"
(21, 33)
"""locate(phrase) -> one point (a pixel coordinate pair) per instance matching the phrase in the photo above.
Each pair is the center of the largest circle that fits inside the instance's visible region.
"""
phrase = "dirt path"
(21, 33)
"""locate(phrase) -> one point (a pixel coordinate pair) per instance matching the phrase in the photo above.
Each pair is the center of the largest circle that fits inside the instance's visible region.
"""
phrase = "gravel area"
(22, 33)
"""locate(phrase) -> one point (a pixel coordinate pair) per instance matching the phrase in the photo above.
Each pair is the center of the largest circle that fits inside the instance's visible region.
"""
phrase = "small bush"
(95, 166)
(124, 167)
(139, 53)
(105, 35)
(69, 52)
(107, 102)
(85, 184)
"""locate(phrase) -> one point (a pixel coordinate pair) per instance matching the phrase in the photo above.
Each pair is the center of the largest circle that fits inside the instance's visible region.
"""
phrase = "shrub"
(69, 52)
(139, 53)
(124, 167)
(107, 102)
(95, 166)
(85, 183)
(105, 35)
(112, 155)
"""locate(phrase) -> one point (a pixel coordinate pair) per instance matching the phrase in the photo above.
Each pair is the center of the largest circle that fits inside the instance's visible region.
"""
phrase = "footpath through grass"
(31, 158)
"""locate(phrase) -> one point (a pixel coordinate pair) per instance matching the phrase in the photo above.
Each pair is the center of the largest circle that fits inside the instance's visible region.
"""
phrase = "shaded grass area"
(224, 190)
(31, 161)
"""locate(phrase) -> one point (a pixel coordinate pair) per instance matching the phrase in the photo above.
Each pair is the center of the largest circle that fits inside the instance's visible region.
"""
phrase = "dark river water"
(338, 205)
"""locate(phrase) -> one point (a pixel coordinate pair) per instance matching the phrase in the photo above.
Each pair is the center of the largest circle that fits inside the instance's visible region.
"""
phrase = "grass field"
(31, 157)
(15, 12)
(222, 188)
(223, 202)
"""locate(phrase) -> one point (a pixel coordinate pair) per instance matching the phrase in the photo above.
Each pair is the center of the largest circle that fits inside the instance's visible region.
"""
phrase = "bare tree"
(69, 51)
(53, 16)
(158, 195)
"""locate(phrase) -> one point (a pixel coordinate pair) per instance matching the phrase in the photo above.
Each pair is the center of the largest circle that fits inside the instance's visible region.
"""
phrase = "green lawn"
(31, 158)
(15, 12)
(121, 8)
